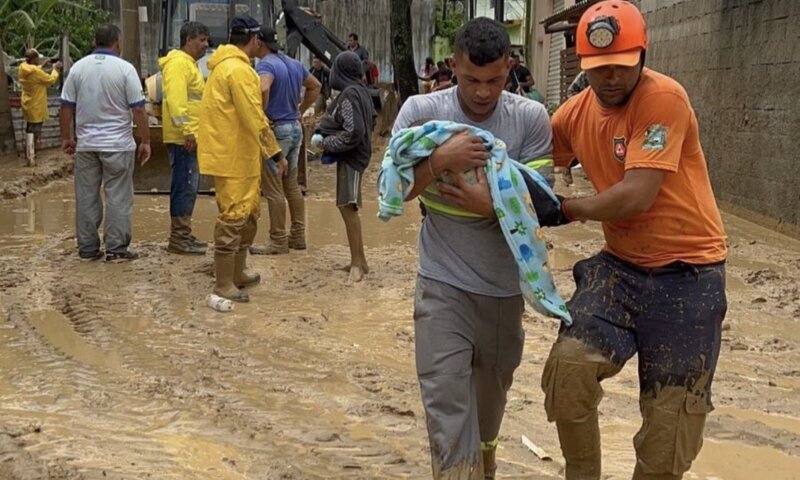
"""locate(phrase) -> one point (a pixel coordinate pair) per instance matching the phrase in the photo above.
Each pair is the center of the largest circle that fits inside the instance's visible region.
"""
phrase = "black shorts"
(31, 127)
(348, 185)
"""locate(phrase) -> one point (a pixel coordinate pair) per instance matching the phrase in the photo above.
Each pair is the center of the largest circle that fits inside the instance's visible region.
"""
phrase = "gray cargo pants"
(114, 170)
(467, 348)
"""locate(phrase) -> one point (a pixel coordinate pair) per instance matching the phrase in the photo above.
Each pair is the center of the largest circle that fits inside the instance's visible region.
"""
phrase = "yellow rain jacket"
(34, 81)
(182, 83)
(234, 133)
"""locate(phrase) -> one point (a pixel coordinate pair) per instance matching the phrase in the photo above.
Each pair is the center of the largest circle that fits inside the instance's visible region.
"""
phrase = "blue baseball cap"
(245, 24)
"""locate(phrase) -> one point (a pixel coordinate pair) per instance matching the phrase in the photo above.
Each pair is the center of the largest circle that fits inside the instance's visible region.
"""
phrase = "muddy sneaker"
(126, 256)
(91, 258)
(270, 249)
(186, 248)
(297, 243)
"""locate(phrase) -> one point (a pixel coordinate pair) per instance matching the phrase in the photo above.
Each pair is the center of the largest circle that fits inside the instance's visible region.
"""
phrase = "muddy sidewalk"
(121, 372)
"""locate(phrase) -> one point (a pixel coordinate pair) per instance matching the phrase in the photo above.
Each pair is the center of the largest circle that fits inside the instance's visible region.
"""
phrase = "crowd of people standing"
(633, 130)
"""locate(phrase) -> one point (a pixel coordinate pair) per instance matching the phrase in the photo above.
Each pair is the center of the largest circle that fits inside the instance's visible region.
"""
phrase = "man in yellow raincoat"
(233, 137)
(34, 81)
(183, 85)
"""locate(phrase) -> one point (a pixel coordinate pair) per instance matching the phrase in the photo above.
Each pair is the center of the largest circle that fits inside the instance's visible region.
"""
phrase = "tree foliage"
(447, 26)
(40, 23)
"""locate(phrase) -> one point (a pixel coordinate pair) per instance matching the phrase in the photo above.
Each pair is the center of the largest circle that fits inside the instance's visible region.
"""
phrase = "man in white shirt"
(104, 93)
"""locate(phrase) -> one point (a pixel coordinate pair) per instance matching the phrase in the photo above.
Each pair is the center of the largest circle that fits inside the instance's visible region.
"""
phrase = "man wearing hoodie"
(34, 81)
(346, 135)
(183, 85)
(233, 137)
(282, 79)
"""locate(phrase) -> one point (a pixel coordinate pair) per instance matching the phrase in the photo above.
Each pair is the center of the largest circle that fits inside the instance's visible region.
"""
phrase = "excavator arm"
(303, 26)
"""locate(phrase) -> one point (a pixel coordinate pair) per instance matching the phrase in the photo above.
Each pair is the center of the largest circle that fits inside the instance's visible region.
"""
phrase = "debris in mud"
(739, 346)
(327, 437)
(760, 277)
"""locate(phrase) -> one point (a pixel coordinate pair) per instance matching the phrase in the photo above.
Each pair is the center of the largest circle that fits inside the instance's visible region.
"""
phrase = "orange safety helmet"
(612, 32)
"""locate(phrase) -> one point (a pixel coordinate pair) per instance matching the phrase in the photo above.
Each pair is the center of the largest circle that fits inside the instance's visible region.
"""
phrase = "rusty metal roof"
(567, 13)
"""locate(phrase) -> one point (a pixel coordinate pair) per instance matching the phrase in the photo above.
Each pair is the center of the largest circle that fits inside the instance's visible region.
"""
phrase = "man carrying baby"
(468, 305)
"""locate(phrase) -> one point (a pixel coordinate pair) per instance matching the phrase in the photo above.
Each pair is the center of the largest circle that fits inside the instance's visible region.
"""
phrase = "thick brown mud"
(121, 372)
(17, 179)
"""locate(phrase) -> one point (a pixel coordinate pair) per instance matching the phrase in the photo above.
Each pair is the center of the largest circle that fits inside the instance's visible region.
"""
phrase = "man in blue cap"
(234, 136)
(282, 79)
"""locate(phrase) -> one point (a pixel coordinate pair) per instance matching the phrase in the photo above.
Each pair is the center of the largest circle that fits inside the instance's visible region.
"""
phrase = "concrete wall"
(739, 60)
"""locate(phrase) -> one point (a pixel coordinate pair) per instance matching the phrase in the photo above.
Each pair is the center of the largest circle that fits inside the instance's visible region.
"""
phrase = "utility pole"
(231, 13)
(500, 10)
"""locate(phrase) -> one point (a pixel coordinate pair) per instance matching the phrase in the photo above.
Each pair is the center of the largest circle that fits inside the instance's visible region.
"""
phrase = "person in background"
(282, 79)
(34, 82)
(322, 73)
(442, 77)
(355, 47)
(426, 75)
(520, 80)
(183, 84)
(347, 127)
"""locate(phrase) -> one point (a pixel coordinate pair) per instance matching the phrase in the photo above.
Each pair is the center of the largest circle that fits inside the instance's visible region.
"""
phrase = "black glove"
(547, 210)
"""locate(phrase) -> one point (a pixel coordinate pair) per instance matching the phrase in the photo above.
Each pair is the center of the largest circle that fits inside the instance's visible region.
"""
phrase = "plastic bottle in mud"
(218, 303)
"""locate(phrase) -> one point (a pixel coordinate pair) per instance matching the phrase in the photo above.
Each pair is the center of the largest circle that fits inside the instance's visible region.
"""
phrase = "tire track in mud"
(75, 387)
(175, 373)
(279, 388)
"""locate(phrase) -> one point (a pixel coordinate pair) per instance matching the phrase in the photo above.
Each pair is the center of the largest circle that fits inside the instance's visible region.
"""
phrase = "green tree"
(450, 16)
(40, 24)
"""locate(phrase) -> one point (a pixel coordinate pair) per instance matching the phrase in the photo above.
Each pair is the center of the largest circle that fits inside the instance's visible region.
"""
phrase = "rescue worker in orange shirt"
(658, 287)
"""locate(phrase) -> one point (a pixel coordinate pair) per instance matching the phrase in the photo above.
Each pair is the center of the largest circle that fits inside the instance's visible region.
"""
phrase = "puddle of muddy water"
(52, 211)
(57, 331)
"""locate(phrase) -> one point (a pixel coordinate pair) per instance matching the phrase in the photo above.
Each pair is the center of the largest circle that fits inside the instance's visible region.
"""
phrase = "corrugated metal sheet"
(515, 9)
(554, 64)
(370, 20)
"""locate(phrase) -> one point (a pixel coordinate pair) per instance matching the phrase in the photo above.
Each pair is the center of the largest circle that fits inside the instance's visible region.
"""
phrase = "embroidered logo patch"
(655, 138)
(620, 148)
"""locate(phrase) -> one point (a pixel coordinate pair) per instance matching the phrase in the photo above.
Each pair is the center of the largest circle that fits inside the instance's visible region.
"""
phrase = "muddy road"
(121, 372)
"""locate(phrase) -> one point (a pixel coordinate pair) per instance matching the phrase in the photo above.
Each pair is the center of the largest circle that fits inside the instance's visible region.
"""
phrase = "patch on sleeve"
(655, 138)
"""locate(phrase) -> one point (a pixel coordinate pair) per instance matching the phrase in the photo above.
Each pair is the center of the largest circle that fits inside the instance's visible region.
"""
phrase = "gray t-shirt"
(469, 253)
(103, 88)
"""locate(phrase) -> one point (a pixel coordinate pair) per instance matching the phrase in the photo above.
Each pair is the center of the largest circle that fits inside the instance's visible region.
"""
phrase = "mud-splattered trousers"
(671, 317)
(467, 348)
(239, 209)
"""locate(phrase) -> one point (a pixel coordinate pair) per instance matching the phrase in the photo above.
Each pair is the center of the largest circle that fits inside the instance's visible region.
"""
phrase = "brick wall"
(739, 60)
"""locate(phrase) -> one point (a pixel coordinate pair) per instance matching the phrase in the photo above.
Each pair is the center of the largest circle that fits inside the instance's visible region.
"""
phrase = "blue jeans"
(289, 136)
(280, 191)
(185, 180)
